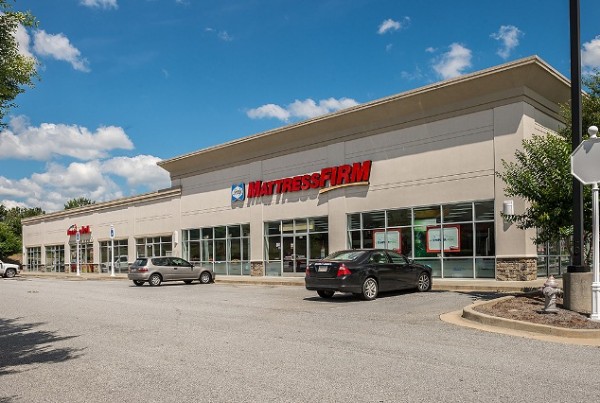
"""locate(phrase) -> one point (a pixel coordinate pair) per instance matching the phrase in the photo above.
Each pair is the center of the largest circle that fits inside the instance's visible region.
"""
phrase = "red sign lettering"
(84, 229)
(331, 176)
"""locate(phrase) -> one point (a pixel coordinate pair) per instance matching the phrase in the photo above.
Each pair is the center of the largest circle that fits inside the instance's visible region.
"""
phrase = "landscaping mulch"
(530, 308)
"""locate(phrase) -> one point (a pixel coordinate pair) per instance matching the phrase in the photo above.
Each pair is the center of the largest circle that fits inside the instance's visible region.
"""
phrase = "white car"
(8, 270)
(120, 264)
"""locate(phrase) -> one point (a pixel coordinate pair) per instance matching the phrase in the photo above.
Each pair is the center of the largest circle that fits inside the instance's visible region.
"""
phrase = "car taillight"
(141, 269)
(307, 271)
(343, 271)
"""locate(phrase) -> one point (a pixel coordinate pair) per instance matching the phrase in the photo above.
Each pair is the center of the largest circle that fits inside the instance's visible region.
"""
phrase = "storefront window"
(121, 256)
(445, 237)
(55, 258)
(154, 246)
(399, 218)
(225, 248)
(86, 257)
(34, 258)
(291, 245)
(462, 212)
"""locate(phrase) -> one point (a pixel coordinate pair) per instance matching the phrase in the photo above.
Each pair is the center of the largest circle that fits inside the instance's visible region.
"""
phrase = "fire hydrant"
(551, 291)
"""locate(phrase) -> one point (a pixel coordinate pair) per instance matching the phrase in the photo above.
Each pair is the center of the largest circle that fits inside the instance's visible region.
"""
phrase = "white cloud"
(21, 141)
(590, 54)
(224, 36)
(50, 190)
(106, 4)
(96, 175)
(454, 62)
(509, 36)
(138, 170)
(269, 111)
(59, 47)
(390, 25)
(301, 109)
(23, 41)
(96, 180)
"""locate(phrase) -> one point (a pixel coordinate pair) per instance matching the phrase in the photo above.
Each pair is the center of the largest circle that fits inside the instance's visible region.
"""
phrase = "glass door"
(294, 252)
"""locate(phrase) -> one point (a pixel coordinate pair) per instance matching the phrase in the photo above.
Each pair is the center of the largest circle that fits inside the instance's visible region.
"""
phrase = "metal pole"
(77, 243)
(578, 242)
(112, 257)
(596, 235)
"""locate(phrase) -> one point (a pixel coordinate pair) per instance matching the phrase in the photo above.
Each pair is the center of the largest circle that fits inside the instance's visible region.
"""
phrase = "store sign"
(451, 239)
(73, 230)
(238, 192)
(327, 179)
(387, 240)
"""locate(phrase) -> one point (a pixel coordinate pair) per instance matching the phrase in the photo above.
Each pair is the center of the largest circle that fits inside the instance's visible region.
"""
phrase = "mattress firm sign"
(327, 179)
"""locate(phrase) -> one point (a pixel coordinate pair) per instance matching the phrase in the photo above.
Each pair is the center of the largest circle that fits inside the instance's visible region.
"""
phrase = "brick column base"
(516, 269)
(257, 269)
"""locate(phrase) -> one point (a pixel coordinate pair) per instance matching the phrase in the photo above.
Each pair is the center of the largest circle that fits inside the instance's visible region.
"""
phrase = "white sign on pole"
(585, 161)
(585, 166)
(112, 232)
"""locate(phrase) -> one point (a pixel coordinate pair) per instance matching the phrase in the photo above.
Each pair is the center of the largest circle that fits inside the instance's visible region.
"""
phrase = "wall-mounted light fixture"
(508, 207)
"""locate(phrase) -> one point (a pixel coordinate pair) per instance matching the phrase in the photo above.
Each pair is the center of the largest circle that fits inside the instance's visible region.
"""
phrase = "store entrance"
(294, 252)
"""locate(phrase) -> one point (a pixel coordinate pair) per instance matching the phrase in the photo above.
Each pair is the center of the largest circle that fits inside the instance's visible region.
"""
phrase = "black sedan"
(365, 272)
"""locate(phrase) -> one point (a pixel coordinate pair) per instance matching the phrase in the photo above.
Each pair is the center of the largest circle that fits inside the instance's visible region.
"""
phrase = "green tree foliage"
(541, 175)
(10, 243)
(10, 227)
(78, 202)
(16, 70)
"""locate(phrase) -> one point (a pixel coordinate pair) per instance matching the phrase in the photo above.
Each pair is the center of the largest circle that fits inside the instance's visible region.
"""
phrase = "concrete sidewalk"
(463, 285)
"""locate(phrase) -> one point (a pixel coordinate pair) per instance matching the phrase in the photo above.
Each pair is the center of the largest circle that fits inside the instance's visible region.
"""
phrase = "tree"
(78, 202)
(542, 176)
(16, 69)
(10, 243)
(11, 229)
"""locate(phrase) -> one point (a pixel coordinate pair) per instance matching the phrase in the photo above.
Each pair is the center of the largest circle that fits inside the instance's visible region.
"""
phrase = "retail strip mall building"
(413, 172)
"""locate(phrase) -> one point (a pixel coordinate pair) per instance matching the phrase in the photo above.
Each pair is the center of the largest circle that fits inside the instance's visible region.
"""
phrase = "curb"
(440, 285)
(469, 313)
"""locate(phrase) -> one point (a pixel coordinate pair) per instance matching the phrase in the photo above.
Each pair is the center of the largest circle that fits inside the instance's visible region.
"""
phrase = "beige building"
(413, 172)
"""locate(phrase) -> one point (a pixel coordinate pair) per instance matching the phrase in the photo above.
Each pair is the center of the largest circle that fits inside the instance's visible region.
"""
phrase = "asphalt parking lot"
(101, 341)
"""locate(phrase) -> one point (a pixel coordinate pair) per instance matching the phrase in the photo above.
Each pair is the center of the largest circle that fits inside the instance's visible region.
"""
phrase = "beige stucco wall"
(149, 218)
(445, 161)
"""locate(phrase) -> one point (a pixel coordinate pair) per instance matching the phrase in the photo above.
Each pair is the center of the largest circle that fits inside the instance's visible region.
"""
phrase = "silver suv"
(157, 269)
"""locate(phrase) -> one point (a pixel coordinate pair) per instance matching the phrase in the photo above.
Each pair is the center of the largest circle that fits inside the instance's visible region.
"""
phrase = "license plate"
(322, 269)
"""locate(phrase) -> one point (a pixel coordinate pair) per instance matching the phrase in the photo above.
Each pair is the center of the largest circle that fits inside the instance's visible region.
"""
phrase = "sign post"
(77, 240)
(585, 166)
(112, 250)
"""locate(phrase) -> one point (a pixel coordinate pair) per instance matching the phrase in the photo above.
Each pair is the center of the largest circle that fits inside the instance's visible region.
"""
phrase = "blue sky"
(126, 83)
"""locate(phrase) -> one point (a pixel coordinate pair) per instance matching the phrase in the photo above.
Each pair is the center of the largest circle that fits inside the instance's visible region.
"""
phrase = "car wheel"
(424, 282)
(205, 277)
(10, 273)
(325, 293)
(138, 283)
(155, 280)
(370, 289)
(188, 281)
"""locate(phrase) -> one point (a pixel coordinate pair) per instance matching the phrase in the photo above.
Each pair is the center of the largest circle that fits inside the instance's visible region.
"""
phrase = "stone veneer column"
(257, 269)
(516, 269)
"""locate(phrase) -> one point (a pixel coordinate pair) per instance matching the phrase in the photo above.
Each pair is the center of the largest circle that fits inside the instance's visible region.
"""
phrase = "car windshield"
(345, 255)
(140, 262)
